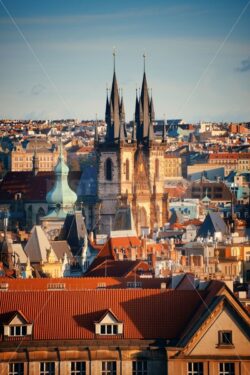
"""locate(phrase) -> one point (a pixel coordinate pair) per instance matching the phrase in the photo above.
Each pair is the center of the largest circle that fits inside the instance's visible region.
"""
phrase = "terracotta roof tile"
(146, 314)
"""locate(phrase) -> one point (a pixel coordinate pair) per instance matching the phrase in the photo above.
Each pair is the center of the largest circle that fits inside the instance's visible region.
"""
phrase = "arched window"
(127, 170)
(156, 168)
(108, 169)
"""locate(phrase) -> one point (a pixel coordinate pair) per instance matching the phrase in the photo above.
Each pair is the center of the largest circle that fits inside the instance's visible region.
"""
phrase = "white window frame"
(223, 371)
(109, 368)
(109, 329)
(191, 368)
(47, 368)
(80, 371)
(14, 328)
(140, 367)
(16, 368)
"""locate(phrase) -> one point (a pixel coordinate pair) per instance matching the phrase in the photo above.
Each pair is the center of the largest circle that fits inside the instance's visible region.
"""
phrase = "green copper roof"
(61, 195)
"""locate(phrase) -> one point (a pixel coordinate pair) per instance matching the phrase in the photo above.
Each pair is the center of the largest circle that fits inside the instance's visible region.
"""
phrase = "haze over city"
(56, 57)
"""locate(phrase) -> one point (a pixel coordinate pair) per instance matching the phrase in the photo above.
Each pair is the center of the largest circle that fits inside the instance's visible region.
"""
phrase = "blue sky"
(198, 57)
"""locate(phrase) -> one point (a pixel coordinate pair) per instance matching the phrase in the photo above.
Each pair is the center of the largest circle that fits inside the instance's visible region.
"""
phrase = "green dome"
(61, 194)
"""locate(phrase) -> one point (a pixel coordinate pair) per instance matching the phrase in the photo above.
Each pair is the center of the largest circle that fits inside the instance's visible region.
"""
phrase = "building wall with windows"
(192, 332)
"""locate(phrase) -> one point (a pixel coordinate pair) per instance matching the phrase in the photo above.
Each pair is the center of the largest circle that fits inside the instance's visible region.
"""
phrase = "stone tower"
(131, 169)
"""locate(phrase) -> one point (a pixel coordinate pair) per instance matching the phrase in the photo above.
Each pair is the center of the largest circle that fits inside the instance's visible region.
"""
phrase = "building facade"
(182, 331)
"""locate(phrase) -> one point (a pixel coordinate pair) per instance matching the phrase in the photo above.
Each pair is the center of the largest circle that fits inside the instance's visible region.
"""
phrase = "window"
(78, 368)
(18, 330)
(195, 368)
(16, 369)
(140, 367)
(47, 368)
(109, 368)
(108, 170)
(109, 329)
(226, 368)
(225, 338)
(157, 168)
(127, 170)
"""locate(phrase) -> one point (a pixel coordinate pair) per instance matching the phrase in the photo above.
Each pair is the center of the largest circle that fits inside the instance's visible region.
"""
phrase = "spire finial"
(144, 62)
(114, 55)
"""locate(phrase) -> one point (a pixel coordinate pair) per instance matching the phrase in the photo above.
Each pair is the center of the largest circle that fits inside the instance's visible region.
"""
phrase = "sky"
(56, 57)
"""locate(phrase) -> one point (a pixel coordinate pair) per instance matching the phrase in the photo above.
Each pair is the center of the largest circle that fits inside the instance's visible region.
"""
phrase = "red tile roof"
(80, 283)
(146, 314)
(117, 268)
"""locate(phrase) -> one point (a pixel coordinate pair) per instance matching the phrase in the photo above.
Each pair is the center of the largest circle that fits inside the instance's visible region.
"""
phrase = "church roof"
(37, 245)
(212, 223)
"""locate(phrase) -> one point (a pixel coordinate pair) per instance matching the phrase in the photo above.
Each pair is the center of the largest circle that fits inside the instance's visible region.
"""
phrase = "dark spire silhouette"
(115, 112)
(151, 108)
(144, 112)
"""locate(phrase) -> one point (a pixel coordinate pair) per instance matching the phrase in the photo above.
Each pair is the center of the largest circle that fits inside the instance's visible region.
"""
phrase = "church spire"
(151, 108)
(113, 107)
(145, 113)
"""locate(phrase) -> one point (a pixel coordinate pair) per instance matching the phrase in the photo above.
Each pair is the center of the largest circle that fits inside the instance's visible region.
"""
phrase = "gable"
(209, 340)
(17, 320)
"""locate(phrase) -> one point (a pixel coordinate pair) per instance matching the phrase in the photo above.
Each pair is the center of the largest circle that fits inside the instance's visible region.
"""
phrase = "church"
(131, 167)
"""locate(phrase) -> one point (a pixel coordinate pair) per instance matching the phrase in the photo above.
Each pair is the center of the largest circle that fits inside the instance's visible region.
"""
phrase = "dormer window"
(17, 325)
(109, 325)
(109, 329)
(18, 330)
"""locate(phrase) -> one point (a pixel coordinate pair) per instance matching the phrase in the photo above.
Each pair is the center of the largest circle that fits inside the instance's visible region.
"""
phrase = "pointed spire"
(145, 105)
(122, 110)
(107, 111)
(144, 62)
(134, 129)
(113, 110)
(152, 110)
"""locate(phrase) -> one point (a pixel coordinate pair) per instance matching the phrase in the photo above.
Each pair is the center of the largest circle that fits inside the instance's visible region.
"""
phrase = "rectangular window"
(225, 338)
(109, 329)
(16, 368)
(47, 368)
(78, 368)
(109, 368)
(226, 368)
(140, 368)
(195, 368)
(18, 330)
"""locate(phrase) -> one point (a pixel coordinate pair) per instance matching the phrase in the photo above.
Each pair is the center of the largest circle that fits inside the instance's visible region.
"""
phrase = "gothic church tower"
(130, 169)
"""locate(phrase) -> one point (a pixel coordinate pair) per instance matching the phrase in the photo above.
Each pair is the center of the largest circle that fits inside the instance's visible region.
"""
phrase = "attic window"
(109, 329)
(225, 339)
(18, 330)
(18, 326)
(56, 286)
(109, 325)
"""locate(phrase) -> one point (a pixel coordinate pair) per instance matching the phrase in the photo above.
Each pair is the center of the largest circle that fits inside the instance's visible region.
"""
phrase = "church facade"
(131, 167)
